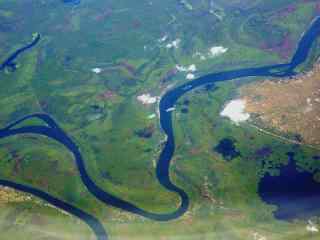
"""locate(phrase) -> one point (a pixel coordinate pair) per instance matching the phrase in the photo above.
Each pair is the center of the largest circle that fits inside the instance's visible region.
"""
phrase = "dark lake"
(294, 192)
(227, 149)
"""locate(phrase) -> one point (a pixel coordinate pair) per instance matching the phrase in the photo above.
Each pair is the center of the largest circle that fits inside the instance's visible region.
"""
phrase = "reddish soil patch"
(168, 75)
(286, 11)
(284, 49)
(317, 7)
(104, 15)
(290, 105)
(39, 220)
(130, 68)
(195, 151)
(107, 95)
(17, 162)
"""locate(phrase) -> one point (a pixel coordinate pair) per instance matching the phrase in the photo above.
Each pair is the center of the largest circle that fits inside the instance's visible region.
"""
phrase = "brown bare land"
(289, 105)
(8, 195)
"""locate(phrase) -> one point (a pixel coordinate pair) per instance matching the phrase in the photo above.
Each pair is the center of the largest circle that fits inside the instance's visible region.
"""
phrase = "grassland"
(101, 112)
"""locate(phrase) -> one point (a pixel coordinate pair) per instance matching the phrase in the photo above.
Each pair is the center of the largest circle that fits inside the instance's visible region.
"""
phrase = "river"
(52, 130)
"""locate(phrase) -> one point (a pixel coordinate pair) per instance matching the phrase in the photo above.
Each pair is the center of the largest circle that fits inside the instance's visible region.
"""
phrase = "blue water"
(73, 2)
(91, 221)
(52, 130)
(294, 192)
(9, 62)
(227, 149)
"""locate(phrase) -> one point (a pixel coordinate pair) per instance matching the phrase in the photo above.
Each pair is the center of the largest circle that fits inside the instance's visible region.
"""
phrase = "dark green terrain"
(120, 138)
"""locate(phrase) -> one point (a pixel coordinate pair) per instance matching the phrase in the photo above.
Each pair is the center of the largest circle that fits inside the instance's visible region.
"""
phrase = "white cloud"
(217, 51)
(190, 76)
(152, 116)
(235, 111)
(96, 70)
(174, 44)
(311, 227)
(147, 99)
(190, 68)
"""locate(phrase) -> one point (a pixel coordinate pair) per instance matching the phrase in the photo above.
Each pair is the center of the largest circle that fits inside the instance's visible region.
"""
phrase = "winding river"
(51, 129)
(9, 62)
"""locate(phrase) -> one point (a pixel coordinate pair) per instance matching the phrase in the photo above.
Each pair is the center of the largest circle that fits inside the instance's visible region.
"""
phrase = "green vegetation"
(102, 115)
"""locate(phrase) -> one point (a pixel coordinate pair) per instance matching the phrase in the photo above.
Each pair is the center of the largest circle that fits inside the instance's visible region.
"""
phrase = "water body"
(294, 192)
(52, 130)
(91, 221)
(227, 149)
(10, 61)
(72, 2)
